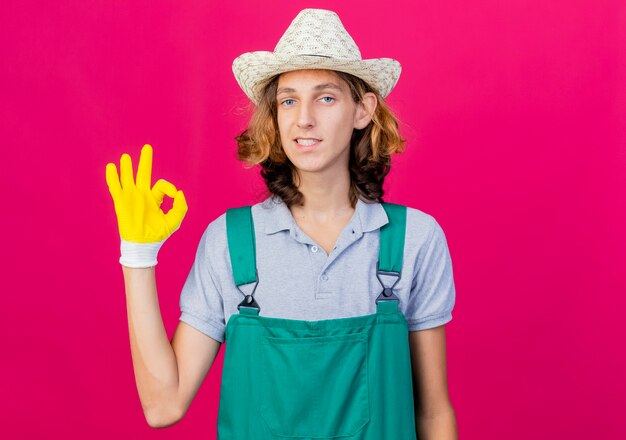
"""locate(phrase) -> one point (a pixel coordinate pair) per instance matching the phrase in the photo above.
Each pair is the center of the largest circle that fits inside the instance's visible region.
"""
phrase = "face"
(316, 107)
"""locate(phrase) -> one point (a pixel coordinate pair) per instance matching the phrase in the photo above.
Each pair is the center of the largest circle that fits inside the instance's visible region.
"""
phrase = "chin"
(309, 169)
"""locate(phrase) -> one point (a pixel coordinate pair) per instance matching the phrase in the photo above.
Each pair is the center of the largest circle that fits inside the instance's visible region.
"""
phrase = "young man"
(293, 284)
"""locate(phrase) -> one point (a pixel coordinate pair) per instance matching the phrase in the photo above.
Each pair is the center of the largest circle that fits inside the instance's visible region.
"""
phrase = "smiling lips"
(307, 144)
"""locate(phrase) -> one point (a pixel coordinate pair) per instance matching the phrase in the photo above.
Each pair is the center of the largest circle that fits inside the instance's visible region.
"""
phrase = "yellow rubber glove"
(143, 226)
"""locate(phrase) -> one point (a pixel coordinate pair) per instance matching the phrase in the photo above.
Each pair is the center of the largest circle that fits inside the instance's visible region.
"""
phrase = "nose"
(305, 116)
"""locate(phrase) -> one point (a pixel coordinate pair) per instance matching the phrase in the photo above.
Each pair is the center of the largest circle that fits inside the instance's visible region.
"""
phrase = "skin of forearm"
(437, 426)
(154, 360)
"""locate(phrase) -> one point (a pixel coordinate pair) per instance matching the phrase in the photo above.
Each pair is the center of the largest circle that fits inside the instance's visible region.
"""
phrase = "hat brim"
(252, 69)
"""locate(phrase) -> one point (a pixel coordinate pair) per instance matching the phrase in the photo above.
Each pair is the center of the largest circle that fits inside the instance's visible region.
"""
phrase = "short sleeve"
(201, 304)
(432, 294)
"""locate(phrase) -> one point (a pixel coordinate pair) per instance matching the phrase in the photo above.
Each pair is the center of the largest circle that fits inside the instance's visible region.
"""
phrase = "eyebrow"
(316, 88)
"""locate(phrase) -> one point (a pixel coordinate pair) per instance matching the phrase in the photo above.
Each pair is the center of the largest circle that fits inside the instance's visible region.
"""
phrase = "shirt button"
(314, 249)
(324, 277)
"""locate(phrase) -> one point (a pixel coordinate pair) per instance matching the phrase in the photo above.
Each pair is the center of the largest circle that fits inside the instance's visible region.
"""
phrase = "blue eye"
(286, 100)
(328, 97)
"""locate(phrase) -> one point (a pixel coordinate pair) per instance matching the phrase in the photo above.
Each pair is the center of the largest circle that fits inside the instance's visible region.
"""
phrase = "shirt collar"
(278, 217)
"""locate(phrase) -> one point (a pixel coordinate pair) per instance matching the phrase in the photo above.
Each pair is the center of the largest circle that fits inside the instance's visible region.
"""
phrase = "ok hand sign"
(138, 208)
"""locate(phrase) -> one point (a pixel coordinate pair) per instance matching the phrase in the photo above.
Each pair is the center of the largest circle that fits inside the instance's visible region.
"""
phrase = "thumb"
(175, 216)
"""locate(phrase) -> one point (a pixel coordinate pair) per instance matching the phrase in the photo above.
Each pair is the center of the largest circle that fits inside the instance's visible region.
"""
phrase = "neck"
(324, 194)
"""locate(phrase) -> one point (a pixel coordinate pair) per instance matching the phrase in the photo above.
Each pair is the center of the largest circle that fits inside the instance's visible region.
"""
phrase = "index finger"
(144, 170)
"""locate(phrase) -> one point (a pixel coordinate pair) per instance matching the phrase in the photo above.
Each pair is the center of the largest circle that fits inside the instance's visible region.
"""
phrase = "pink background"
(514, 116)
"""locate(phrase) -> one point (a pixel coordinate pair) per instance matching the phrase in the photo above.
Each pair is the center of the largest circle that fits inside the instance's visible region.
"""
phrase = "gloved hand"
(142, 224)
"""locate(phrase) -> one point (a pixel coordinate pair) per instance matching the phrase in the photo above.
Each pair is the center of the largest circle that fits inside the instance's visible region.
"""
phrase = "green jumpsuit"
(346, 378)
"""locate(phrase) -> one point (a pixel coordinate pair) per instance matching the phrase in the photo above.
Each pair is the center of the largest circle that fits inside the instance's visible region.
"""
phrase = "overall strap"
(391, 252)
(392, 238)
(242, 250)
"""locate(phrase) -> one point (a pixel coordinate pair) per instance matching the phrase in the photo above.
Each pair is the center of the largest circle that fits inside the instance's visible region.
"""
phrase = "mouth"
(306, 144)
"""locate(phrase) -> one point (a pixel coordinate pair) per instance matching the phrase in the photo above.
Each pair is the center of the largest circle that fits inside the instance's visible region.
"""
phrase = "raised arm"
(168, 374)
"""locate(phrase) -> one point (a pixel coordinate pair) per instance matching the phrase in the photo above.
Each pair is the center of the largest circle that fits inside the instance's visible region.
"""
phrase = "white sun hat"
(315, 39)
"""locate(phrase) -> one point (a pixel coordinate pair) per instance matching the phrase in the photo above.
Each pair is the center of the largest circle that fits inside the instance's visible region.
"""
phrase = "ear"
(365, 110)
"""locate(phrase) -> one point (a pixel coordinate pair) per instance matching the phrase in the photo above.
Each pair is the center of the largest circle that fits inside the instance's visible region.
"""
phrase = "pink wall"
(514, 115)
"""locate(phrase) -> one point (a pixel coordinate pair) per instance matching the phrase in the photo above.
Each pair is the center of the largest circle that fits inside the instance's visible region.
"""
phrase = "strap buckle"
(387, 294)
(248, 303)
(248, 300)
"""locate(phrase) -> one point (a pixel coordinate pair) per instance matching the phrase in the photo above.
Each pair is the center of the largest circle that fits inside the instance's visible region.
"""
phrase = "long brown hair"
(370, 148)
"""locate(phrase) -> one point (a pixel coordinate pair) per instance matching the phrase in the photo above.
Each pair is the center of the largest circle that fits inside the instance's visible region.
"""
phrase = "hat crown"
(318, 32)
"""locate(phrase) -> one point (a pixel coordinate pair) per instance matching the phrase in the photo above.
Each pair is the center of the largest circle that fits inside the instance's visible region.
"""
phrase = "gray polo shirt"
(299, 280)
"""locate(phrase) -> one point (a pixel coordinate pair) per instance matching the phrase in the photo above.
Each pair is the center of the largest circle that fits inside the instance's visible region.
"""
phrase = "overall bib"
(347, 378)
